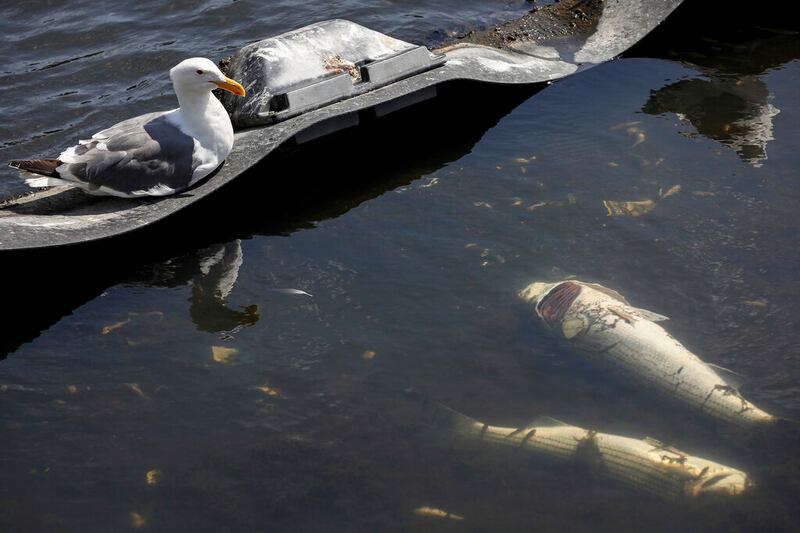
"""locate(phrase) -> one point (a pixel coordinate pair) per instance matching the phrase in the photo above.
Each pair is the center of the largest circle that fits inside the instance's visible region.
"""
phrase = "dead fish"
(602, 324)
(645, 464)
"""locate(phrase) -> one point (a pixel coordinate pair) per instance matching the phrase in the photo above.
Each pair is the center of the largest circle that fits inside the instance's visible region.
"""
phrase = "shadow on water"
(733, 110)
(732, 46)
(290, 191)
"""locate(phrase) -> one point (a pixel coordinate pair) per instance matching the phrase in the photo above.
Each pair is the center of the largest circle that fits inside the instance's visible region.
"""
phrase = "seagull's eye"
(200, 72)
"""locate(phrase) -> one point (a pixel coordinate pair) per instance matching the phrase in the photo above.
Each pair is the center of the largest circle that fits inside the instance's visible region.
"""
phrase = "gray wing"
(138, 154)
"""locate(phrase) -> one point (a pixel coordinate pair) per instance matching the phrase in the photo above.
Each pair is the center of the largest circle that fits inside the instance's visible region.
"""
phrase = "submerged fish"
(645, 464)
(602, 324)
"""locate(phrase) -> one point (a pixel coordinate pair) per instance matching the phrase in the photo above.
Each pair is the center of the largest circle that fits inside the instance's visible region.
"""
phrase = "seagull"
(156, 154)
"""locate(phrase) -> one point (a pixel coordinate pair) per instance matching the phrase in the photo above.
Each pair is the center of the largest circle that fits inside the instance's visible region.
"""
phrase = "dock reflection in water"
(731, 102)
(735, 111)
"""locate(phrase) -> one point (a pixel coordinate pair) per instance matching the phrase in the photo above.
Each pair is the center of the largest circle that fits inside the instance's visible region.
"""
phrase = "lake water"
(168, 384)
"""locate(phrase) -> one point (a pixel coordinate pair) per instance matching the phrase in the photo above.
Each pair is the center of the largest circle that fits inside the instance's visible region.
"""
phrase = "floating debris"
(602, 324)
(637, 208)
(433, 181)
(436, 513)
(536, 206)
(369, 354)
(630, 209)
(137, 520)
(269, 391)
(153, 477)
(157, 314)
(675, 189)
(703, 194)
(624, 125)
(72, 389)
(115, 326)
(637, 134)
(516, 202)
(482, 204)
(759, 302)
(613, 164)
(223, 354)
(522, 160)
(134, 387)
(132, 314)
(253, 309)
(645, 464)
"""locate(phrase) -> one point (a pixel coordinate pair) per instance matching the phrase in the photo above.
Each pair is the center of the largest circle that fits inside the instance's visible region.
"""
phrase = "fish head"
(534, 292)
(725, 481)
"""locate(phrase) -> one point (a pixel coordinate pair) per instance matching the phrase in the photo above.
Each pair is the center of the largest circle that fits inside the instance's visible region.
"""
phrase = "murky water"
(169, 384)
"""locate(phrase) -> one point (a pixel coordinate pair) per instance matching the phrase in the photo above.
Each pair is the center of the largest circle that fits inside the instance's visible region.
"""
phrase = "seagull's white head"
(198, 74)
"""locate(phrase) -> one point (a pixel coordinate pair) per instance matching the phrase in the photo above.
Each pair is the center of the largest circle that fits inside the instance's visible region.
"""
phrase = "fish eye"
(200, 71)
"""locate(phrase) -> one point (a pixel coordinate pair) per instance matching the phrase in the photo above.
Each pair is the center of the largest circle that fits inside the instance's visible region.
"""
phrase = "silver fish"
(645, 465)
(603, 325)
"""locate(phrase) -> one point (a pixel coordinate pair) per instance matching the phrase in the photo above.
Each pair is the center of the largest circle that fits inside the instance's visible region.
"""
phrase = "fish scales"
(642, 464)
(558, 443)
(627, 465)
(606, 328)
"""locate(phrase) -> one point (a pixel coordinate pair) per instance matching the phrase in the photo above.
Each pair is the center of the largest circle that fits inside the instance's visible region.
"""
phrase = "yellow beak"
(230, 86)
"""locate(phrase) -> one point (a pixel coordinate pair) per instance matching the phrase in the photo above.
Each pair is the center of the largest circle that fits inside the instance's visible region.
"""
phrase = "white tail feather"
(44, 181)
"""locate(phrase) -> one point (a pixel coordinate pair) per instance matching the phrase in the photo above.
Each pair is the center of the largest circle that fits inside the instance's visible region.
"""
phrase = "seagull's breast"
(212, 133)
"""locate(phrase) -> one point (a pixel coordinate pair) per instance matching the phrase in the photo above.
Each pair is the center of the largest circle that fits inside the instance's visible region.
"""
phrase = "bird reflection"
(735, 111)
(212, 273)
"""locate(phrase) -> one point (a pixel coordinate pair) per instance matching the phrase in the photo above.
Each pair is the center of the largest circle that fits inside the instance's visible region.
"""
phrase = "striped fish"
(645, 465)
(604, 326)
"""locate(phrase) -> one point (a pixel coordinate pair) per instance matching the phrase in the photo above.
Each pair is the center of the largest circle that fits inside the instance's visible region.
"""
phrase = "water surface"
(319, 421)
